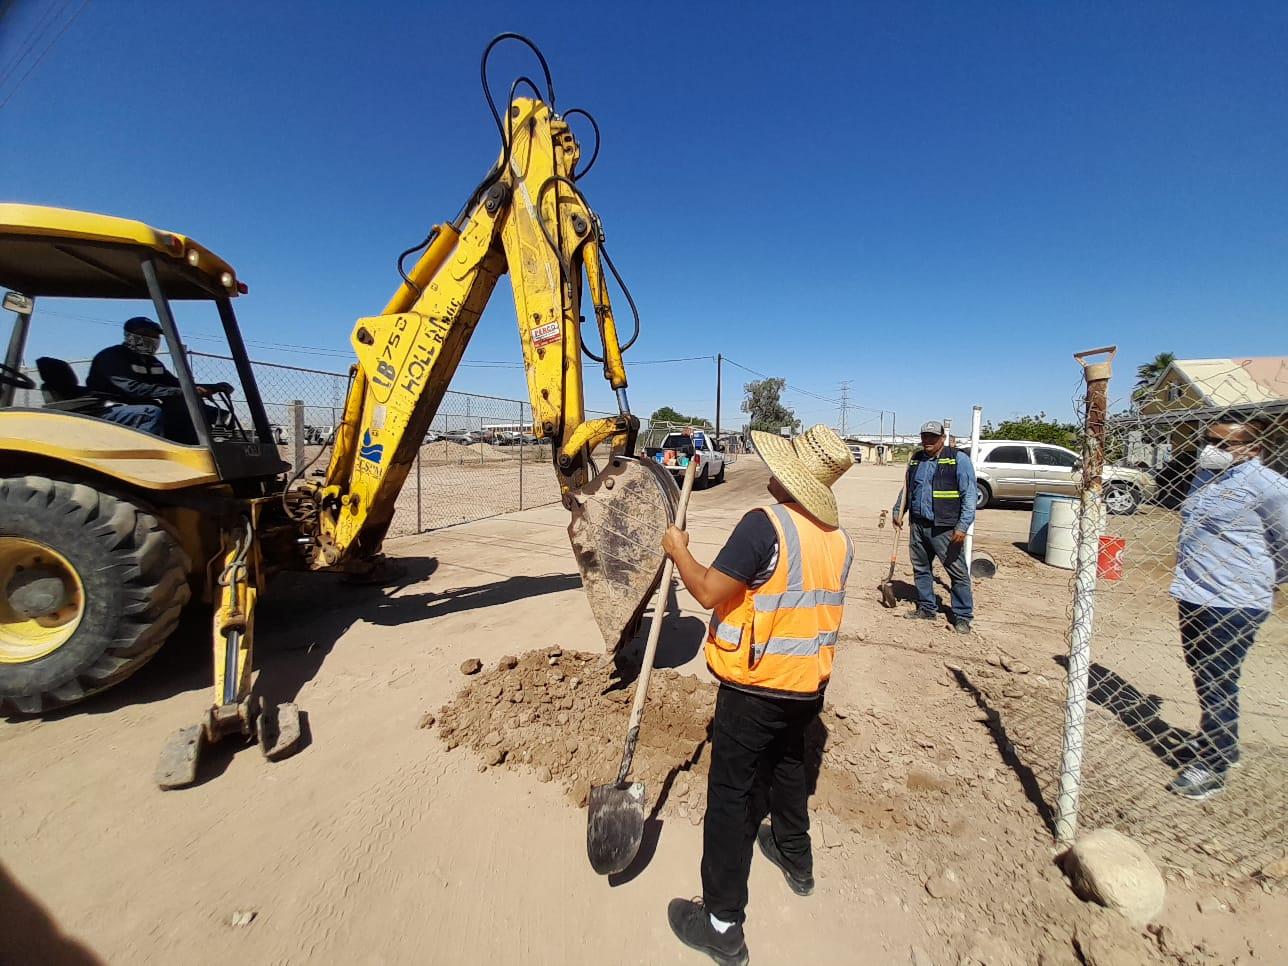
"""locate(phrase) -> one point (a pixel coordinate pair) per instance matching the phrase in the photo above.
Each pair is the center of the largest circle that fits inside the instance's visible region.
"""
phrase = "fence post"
(523, 442)
(297, 435)
(1090, 524)
(420, 528)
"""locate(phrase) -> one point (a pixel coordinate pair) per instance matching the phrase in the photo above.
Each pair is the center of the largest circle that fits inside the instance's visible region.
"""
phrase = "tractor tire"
(106, 578)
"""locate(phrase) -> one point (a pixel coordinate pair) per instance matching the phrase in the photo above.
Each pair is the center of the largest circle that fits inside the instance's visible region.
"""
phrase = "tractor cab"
(56, 414)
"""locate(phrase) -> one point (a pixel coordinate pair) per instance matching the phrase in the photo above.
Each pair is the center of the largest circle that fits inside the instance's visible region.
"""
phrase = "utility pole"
(881, 430)
(719, 362)
(845, 403)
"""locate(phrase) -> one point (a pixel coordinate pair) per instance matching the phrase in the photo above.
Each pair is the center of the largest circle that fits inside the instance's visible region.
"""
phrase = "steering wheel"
(10, 376)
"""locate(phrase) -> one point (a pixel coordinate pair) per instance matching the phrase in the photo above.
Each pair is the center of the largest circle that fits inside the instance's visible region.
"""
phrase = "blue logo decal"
(373, 452)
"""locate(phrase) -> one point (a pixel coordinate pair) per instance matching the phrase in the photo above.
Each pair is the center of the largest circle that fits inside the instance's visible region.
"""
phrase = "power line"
(38, 33)
(48, 48)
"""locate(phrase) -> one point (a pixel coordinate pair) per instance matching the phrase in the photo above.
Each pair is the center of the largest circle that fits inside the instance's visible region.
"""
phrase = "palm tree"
(1148, 374)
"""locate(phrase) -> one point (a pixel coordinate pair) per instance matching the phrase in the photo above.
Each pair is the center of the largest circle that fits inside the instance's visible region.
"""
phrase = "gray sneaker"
(1197, 783)
(962, 625)
(919, 615)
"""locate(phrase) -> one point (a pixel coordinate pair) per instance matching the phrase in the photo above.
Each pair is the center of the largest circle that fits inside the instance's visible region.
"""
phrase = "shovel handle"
(654, 632)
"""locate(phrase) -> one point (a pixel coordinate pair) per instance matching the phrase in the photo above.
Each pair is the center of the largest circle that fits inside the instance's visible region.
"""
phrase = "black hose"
(578, 175)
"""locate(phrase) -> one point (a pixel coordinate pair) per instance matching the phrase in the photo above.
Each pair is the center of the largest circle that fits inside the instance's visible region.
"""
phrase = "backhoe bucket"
(618, 519)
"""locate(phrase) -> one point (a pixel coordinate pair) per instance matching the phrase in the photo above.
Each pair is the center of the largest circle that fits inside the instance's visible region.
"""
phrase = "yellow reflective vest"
(780, 637)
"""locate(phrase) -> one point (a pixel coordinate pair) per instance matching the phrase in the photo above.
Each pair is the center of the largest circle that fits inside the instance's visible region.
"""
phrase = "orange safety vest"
(780, 637)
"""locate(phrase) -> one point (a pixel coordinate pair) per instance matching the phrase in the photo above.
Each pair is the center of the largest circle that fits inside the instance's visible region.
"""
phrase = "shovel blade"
(614, 826)
(887, 594)
(618, 519)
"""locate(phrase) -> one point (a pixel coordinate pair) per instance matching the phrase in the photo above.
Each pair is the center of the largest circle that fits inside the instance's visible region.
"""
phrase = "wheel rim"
(1118, 500)
(42, 600)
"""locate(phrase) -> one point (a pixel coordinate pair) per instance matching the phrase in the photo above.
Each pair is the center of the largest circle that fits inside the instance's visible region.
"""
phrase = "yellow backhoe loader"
(107, 532)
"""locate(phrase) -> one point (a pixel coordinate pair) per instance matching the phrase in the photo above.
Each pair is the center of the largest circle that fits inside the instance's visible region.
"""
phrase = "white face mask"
(1214, 458)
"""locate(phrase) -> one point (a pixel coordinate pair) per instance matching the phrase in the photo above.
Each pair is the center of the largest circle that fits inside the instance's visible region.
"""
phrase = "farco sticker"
(374, 452)
(543, 335)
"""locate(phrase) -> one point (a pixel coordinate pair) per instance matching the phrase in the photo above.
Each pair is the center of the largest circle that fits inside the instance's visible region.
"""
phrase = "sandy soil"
(387, 842)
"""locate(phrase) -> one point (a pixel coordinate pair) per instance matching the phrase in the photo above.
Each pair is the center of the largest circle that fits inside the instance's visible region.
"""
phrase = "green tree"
(1148, 374)
(666, 414)
(763, 403)
(1036, 428)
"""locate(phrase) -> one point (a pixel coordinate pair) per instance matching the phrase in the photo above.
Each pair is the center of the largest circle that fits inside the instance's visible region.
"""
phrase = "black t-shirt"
(751, 553)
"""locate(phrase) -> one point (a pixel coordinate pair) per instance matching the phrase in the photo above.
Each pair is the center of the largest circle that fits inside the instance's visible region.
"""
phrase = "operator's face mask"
(145, 344)
(1219, 453)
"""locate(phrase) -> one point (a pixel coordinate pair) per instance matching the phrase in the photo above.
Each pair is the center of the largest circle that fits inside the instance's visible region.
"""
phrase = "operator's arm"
(707, 585)
(966, 488)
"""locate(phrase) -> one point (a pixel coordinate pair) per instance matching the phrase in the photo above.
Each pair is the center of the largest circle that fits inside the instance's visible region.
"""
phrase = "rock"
(508, 663)
(471, 666)
(1013, 665)
(581, 793)
(944, 884)
(993, 951)
(492, 738)
(1277, 869)
(1210, 905)
(1107, 867)
(426, 720)
(995, 659)
(242, 917)
(840, 713)
(543, 774)
(493, 756)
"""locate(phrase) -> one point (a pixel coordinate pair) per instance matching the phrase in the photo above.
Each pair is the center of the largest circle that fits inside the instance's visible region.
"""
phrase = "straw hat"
(807, 465)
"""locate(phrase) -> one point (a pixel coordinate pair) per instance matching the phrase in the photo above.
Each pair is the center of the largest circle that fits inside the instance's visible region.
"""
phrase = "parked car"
(710, 459)
(857, 452)
(1018, 470)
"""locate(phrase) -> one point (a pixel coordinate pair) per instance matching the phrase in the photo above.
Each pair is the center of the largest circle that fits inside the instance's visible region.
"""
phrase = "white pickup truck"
(678, 449)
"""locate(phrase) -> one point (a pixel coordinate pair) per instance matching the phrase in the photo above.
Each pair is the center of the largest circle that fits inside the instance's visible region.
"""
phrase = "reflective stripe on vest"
(779, 638)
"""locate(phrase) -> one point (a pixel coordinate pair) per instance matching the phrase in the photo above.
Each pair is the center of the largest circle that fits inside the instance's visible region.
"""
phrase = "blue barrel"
(1041, 519)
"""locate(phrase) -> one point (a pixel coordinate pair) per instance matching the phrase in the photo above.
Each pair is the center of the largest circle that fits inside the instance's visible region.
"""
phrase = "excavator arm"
(530, 220)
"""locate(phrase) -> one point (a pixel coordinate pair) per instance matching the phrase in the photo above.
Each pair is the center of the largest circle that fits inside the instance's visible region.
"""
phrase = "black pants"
(754, 736)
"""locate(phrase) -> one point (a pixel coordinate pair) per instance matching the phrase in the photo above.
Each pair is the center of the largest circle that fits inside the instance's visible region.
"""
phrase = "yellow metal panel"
(68, 223)
(115, 451)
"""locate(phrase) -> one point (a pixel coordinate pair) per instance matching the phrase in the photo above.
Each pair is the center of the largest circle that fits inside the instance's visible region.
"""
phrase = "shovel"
(615, 813)
(887, 586)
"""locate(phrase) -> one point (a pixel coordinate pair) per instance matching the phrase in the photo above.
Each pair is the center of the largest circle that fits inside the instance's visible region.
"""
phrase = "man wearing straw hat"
(777, 590)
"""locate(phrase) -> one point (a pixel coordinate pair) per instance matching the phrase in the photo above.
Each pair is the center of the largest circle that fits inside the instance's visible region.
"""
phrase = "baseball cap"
(932, 427)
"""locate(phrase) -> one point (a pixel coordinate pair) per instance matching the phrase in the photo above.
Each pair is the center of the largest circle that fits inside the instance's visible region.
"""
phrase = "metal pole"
(1090, 524)
(297, 435)
(719, 362)
(974, 448)
(22, 307)
(420, 523)
(523, 442)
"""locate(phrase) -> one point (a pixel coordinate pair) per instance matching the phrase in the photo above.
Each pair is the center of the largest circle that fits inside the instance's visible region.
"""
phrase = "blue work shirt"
(1233, 547)
(921, 501)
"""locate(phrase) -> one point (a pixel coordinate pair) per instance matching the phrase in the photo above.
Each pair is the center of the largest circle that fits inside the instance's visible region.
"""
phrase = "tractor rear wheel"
(90, 587)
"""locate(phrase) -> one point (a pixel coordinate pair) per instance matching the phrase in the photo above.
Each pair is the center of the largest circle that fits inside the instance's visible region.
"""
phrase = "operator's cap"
(932, 427)
(142, 325)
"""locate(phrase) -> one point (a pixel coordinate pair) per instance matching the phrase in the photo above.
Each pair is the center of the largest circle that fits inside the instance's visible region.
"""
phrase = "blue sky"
(939, 202)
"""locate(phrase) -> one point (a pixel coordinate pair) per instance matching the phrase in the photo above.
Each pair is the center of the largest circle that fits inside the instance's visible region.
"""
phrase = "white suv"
(1008, 469)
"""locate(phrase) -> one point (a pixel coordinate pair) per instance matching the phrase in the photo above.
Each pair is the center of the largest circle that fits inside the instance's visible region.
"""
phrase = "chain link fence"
(1172, 722)
(479, 458)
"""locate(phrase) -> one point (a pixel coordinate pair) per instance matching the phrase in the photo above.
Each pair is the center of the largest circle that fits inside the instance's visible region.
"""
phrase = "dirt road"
(378, 844)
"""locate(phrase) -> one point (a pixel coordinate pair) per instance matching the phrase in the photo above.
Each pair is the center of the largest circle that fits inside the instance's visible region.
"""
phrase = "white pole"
(1090, 525)
(974, 449)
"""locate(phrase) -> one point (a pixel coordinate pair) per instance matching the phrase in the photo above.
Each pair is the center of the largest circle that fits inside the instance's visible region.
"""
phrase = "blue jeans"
(927, 543)
(1216, 640)
(141, 416)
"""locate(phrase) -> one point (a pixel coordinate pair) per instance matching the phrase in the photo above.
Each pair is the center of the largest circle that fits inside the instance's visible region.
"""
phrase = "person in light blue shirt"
(1231, 556)
(940, 488)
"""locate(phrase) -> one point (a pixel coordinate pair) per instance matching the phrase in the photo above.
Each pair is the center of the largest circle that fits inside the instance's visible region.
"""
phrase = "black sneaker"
(801, 885)
(962, 625)
(1197, 783)
(919, 615)
(691, 924)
